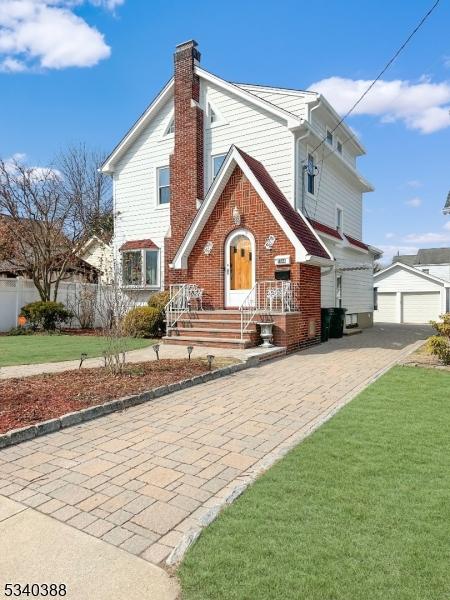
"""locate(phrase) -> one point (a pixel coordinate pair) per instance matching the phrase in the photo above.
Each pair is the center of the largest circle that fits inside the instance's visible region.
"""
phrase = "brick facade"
(293, 330)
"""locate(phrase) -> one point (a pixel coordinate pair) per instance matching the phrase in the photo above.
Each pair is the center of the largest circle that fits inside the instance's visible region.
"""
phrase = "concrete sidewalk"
(134, 356)
(37, 549)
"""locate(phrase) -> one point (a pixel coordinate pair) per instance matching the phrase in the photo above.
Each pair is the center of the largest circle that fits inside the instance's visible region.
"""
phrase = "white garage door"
(386, 312)
(420, 307)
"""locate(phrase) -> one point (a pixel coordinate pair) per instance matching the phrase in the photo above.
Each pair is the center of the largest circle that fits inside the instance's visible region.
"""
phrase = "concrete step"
(215, 342)
(352, 331)
(208, 323)
(213, 333)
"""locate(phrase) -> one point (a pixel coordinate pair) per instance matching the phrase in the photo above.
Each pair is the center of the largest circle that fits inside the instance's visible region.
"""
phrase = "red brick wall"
(186, 163)
(208, 271)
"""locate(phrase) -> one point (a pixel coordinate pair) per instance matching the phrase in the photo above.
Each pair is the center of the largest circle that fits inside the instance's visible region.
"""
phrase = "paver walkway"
(144, 478)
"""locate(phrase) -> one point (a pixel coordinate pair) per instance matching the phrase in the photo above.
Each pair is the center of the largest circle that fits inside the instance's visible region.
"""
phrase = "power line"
(381, 73)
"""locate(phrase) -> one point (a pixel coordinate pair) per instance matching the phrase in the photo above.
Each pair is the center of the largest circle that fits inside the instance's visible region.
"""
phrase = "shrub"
(159, 300)
(142, 322)
(20, 331)
(45, 315)
(439, 344)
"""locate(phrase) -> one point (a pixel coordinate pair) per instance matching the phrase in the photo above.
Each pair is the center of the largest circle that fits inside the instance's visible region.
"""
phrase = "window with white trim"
(163, 185)
(339, 146)
(217, 162)
(140, 268)
(310, 173)
(339, 219)
(329, 137)
(171, 127)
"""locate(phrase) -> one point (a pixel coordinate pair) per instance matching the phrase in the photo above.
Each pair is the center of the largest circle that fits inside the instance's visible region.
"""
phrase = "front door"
(239, 269)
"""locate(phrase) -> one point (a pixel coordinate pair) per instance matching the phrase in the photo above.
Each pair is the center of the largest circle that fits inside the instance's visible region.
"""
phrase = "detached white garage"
(403, 294)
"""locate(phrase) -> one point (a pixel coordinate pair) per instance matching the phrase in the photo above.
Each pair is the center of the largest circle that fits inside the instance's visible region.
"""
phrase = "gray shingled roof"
(426, 256)
(447, 205)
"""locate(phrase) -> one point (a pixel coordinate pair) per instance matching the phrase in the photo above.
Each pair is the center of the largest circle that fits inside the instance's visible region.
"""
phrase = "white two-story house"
(251, 196)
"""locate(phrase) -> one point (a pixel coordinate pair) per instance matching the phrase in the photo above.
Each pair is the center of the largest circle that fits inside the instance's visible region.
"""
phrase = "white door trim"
(232, 298)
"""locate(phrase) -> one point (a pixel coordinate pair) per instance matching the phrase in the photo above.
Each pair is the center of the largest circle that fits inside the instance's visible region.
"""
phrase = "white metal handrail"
(266, 298)
(179, 303)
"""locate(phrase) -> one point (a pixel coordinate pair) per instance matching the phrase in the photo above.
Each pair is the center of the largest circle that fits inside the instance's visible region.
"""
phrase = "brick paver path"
(144, 478)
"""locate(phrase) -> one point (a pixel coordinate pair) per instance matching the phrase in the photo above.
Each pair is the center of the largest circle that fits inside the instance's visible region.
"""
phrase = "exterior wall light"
(236, 216)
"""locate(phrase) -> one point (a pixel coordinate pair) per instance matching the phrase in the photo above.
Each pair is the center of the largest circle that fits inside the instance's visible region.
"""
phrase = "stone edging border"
(246, 479)
(23, 434)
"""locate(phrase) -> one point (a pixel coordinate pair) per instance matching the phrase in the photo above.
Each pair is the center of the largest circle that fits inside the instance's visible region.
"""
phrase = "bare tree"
(47, 214)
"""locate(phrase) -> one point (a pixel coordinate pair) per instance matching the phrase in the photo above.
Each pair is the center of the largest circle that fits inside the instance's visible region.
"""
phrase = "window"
(163, 178)
(339, 291)
(339, 146)
(217, 163)
(171, 127)
(140, 268)
(329, 137)
(426, 271)
(212, 116)
(339, 218)
(311, 173)
(375, 298)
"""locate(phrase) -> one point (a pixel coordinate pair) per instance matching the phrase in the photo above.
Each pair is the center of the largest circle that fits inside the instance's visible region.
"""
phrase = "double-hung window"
(140, 268)
(310, 173)
(163, 185)
(339, 291)
(217, 163)
(329, 137)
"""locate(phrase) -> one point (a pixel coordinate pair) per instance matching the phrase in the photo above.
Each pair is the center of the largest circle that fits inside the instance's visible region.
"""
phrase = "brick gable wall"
(294, 330)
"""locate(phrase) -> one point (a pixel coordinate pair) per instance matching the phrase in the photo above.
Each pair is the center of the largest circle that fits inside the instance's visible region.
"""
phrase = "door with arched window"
(240, 267)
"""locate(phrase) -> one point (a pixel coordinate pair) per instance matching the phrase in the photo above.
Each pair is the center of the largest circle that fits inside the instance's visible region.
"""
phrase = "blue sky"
(84, 70)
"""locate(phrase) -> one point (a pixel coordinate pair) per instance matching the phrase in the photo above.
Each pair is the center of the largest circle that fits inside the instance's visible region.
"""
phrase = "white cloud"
(447, 226)
(423, 106)
(20, 158)
(427, 238)
(389, 235)
(414, 183)
(414, 202)
(48, 34)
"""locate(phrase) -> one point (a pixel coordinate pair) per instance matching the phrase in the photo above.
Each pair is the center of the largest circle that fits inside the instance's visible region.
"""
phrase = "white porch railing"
(181, 296)
(266, 298)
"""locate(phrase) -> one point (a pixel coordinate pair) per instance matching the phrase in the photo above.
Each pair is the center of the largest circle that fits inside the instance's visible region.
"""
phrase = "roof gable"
(418, 272)
(307, 244)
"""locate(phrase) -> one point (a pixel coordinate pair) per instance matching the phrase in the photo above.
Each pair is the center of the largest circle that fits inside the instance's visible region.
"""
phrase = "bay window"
(140, 268)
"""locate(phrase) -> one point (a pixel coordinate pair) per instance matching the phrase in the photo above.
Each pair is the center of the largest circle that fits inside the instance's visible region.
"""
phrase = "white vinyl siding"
(262, 135)
(420, 307)
(387, 308)
(294, 102)
(138, 214)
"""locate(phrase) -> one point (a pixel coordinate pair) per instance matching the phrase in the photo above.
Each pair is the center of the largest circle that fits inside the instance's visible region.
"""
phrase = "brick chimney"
(186, 163)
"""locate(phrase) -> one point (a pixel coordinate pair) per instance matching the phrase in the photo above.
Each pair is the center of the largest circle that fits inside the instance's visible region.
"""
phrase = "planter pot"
(266, 334)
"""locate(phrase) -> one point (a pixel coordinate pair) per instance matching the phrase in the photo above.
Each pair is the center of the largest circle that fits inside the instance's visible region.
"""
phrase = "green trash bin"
(325, 316)
(337, 322)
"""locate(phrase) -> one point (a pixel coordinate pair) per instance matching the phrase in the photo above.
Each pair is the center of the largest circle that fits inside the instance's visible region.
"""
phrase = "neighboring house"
(99, 254)
(224, 186)
(446, 209)
(415, 288)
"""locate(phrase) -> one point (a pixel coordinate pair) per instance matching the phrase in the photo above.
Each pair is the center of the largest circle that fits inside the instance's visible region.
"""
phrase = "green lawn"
(29, 349)
(358, 511)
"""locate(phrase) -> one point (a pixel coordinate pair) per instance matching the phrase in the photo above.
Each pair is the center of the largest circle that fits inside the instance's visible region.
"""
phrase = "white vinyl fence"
(15, 293)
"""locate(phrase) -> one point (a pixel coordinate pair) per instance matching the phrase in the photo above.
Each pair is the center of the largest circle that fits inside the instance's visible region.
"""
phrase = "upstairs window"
(217, 163)
(339, 146)
(140, 268)
(339, 218)
(163, 183)
(170, 128)
(329, 137)
(310, 173)
(212, 116)
(427, 271)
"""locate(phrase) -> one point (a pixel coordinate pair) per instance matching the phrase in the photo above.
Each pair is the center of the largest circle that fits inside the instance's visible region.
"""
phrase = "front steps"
(217, 328)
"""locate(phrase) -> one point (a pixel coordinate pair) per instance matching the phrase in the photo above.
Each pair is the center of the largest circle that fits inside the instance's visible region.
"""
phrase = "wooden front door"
(240, 270)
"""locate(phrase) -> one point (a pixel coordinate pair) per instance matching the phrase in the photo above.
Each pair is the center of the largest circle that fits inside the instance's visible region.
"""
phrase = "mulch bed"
(423, 358)
(28, 400)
